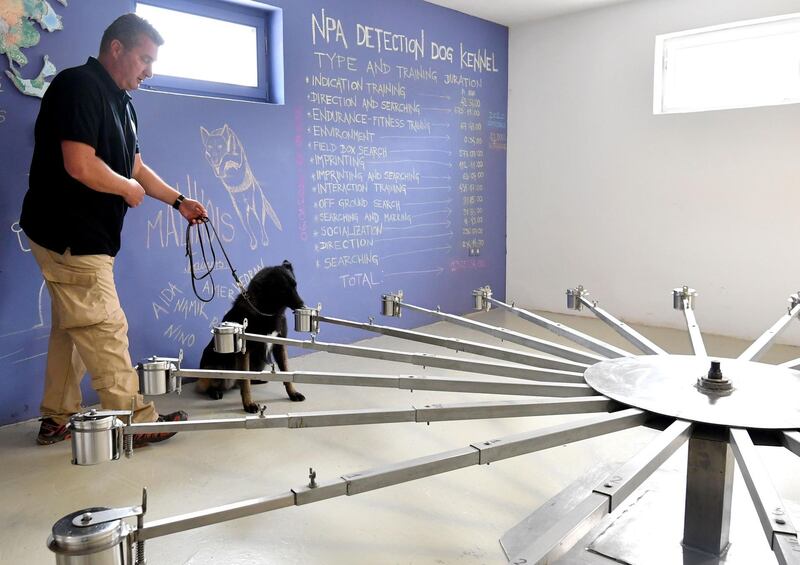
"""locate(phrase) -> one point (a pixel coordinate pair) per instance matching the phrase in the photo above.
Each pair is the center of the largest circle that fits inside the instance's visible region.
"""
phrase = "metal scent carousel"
(722, 407)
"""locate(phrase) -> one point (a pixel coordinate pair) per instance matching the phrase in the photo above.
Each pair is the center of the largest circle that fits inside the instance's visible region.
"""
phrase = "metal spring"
(140, 560)
(127, 445)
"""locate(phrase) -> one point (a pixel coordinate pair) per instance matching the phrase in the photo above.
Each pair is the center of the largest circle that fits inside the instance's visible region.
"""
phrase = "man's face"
(134, 64)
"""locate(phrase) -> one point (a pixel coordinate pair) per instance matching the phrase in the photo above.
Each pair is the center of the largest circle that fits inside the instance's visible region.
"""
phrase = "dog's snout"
(298, 302)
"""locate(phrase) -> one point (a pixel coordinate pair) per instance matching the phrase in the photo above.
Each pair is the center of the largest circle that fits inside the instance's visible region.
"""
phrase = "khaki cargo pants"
(88, 330)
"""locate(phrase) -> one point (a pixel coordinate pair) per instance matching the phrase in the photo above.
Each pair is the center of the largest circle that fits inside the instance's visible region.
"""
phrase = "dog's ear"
(288, 265)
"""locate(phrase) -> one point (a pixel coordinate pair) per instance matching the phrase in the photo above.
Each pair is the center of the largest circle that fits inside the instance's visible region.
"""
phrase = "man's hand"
(134, 193)
(83, 165)
(155, 186)
(193, 211)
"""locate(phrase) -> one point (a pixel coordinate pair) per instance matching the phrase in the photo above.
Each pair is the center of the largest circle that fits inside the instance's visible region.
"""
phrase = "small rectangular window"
(738, 65)
(218, 49)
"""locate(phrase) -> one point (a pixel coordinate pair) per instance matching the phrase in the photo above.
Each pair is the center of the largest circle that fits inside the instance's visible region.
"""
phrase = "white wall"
(603, 193)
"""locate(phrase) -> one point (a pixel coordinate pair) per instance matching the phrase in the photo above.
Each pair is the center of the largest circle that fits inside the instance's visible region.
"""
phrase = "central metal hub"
(714, 382)
(669, 385)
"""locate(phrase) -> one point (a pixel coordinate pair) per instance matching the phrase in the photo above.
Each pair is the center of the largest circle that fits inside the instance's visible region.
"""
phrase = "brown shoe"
(140, 440)
(50, 432)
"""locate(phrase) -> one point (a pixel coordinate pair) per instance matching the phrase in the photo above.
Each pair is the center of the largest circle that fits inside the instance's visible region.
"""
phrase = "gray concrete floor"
(454, 518)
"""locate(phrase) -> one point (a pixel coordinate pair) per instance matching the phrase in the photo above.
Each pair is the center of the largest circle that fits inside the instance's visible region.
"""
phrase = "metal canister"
(306, 320)
(98, 544)
(228, 337)
(574, 298)
(679, 294)
(390, 305)
(481, 297)
(677, 298)
(155, 376)
(96, 437)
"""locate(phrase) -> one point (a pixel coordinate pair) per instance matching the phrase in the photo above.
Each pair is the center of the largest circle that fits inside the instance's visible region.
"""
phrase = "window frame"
(261, 16)
(662, 58)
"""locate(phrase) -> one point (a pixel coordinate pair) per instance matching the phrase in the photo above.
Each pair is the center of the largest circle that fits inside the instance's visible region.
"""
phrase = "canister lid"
(69, 538)
(93, 421)
(155, 364)
(228, 328)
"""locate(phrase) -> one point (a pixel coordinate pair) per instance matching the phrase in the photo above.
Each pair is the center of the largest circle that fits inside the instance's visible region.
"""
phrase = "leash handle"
(190, 255)
(210, 268)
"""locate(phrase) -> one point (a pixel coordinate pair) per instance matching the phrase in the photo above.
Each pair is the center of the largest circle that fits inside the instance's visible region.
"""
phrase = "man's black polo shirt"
(81, 104)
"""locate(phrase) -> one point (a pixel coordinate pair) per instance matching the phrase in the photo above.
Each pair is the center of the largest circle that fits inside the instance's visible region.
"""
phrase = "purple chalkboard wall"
(385, 168)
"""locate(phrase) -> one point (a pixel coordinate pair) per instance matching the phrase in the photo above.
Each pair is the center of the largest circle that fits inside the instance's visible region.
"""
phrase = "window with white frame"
(737, 65)
(214, 49)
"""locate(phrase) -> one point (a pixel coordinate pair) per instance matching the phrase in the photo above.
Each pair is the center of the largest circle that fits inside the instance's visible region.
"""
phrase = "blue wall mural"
(383, 170)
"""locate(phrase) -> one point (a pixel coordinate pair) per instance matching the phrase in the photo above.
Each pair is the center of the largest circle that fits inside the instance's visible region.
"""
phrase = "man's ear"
(115, 48)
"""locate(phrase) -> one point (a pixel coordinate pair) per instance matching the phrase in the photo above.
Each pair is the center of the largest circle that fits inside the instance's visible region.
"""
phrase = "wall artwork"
(17, 32)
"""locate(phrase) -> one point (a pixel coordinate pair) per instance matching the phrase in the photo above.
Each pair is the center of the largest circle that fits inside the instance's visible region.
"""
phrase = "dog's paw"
(251, 408)
(215, 394)
(297, 397)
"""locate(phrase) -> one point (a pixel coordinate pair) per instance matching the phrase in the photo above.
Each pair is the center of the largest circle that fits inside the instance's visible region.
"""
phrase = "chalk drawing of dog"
(226, 156)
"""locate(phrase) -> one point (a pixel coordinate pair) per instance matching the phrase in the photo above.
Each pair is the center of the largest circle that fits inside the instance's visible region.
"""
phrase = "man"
(85, 173)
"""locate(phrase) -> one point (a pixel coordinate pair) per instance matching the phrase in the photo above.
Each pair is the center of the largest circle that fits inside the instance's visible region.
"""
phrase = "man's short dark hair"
(127, 29)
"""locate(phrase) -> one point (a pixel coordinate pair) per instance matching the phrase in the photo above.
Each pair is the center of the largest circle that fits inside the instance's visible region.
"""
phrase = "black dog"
(272, 290)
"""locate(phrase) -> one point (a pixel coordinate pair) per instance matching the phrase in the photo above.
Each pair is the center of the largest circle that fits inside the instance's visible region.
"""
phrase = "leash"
(206, 222)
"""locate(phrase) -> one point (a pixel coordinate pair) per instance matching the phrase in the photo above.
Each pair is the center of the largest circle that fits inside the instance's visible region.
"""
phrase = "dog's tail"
(267, 210)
